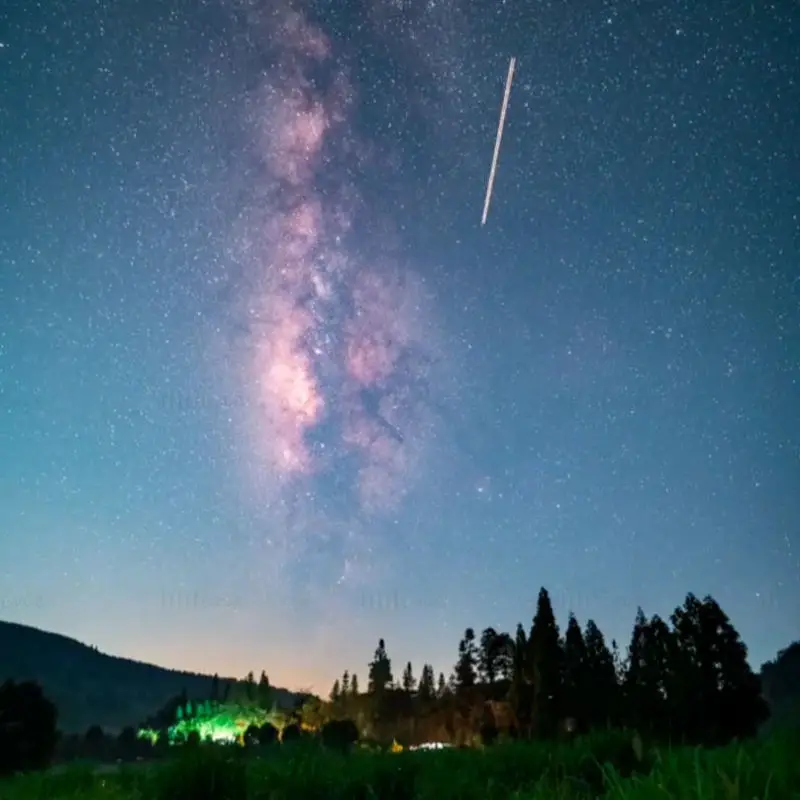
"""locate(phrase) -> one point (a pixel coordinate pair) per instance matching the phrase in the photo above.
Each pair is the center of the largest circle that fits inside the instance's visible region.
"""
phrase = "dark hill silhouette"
(93, 688)
(780, 681)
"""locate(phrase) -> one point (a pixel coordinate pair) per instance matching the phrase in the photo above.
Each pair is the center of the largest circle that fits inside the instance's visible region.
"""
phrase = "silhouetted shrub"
(267, 734)
(28, 734)
(291, 733)
(339, 734)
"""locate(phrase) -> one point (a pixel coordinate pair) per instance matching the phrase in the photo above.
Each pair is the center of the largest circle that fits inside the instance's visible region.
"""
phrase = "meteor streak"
(498, 140)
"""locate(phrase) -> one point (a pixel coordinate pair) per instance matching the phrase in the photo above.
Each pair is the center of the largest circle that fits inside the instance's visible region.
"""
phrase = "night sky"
(269, 391)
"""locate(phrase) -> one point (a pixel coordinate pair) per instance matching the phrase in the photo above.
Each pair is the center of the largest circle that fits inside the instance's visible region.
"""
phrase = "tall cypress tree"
(720, 696)
(634, 685)
(647, 677)
(576, 697)
(426, 690)
(546, 668)
(602, 688)
(519, 694)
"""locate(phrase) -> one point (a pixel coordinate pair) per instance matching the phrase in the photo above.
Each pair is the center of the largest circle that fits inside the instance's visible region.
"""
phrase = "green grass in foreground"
(603, 766)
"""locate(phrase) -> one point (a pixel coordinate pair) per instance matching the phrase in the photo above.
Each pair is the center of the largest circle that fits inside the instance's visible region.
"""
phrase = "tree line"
(686, 679)
(681, 680)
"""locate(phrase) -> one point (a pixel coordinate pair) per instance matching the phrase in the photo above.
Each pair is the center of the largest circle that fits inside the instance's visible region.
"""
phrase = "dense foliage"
(607, 765)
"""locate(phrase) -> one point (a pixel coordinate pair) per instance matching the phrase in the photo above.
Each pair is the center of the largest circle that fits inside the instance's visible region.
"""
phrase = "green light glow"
(225, 724)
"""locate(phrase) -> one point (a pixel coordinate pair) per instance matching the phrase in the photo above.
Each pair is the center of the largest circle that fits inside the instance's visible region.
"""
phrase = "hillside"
(780, 680)
(92, 688)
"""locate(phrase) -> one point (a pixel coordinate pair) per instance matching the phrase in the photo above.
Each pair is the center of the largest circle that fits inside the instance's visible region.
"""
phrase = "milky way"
(341, 355)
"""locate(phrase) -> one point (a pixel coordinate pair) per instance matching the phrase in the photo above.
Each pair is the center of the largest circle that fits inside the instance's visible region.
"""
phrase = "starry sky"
(269, 390)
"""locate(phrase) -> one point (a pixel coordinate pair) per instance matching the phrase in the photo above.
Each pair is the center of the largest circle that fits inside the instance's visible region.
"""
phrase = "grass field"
(602, 766)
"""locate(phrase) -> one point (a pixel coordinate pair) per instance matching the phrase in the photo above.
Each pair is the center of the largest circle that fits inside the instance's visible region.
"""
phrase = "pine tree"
(519, 694)
(354, 685)
(380, 670)
(336, 692)
(409, 683)
(426, 691)
(693, 667)
(264, 691)
(648, 686)
(489, 656)
(576, 696)
(602, 693)
(634, 668)
(441, 686)
(345, 684)
(546, 666)
(465, 666)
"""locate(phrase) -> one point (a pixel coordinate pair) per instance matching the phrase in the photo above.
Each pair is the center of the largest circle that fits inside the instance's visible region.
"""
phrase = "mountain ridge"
(90, 687)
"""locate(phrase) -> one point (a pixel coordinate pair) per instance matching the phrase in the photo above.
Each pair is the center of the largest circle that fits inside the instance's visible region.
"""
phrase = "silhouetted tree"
(193, 739)
(719, 696)
(354, 685)
(336, 692)
(409, 684)
(214, 693)
(690, 681)
(264, 694)
(545, 668)
(251, 736)
(28, 733)
(267, 734)
(128, 744)
(340, 734)
(345, 685)
(648, 678)
(426, 691)
(250, 690)
(488, 656)
(465, 673)
(291, 733)
(780, 685)
(520, 695)
(380, 670)
(576, 695)
(504, 656)
(602, 690)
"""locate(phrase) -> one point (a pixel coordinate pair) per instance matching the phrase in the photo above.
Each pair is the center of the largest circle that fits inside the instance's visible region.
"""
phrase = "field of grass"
(598, 767)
